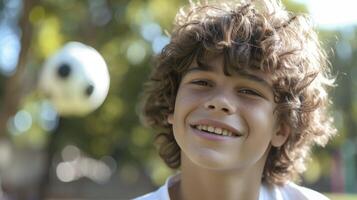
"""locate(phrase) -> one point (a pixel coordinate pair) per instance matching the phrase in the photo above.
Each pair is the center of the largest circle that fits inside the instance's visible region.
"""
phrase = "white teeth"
(225, 132)
(218, 131)
(211, 129)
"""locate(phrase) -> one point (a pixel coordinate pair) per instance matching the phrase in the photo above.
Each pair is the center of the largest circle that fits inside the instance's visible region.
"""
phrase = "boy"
(239, 96)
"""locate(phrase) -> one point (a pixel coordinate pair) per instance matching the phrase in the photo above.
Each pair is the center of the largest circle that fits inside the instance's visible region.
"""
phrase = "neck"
(202, 183)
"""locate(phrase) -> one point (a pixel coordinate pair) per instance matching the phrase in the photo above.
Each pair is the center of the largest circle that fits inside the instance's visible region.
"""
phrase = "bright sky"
(332, 13)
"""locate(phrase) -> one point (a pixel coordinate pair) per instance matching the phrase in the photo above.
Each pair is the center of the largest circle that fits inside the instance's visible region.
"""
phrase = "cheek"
(260, 118)
(186, 101)
(183, 105)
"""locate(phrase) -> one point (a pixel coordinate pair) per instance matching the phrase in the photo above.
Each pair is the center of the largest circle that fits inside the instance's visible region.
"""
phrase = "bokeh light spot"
(65, 172)
(70, 153)
(9, 50)
(150, 31)
(23, 121)
(136, 53)
(159, 43)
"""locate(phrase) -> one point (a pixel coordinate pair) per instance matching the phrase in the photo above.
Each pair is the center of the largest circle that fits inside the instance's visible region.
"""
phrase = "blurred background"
(108, 154)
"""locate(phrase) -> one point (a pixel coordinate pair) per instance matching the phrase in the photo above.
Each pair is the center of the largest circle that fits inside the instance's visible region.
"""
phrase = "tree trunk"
(13, 87)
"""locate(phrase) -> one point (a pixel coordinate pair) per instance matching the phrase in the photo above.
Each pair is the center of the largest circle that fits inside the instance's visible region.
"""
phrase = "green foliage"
(295, 6)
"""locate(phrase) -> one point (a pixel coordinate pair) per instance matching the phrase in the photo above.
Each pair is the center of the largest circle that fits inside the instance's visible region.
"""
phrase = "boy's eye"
(201, 82)
(249, 92)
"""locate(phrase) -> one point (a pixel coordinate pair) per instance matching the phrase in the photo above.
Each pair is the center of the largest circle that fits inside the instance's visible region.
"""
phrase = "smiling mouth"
(215, 130)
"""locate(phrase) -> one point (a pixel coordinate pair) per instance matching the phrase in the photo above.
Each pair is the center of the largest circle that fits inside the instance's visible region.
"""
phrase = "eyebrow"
(242, 73)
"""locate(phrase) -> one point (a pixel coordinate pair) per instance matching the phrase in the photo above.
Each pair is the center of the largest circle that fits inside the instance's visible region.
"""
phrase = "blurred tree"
(116, 29)
(345, 99)
(13, 86)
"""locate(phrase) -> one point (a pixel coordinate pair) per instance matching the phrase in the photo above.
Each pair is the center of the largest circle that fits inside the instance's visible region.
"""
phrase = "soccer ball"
(75, 79)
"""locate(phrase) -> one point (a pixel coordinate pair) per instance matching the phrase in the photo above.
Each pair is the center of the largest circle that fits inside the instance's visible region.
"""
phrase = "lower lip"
(210, 136)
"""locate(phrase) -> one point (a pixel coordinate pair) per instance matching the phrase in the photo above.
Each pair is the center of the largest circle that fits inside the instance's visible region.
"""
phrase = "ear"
(280, 135)
(170, 118)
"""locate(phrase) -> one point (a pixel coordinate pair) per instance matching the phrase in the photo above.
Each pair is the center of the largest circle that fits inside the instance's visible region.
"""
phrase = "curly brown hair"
(260, 35)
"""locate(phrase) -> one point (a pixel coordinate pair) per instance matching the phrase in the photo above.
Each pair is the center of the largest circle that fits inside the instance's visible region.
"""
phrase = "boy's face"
(238, 108)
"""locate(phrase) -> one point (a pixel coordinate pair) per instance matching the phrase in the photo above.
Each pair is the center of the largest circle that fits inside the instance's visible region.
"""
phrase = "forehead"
(216, 64)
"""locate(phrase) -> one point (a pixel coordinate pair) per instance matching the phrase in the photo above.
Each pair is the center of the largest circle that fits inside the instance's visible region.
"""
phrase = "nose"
(221, 103)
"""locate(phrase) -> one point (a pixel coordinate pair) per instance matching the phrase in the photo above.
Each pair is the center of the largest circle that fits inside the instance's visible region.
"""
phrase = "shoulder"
(292, 191)
(163, 192)
(150, 196)
(159, 194)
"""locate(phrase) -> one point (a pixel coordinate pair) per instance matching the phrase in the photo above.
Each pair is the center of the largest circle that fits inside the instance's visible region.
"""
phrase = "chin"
(212, 160)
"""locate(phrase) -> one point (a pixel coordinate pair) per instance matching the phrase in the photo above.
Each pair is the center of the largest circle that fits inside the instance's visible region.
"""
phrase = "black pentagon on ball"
(89, 90)
(64, 70)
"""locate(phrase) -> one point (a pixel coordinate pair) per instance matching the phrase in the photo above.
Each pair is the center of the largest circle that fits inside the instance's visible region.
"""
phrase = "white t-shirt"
(289, 191)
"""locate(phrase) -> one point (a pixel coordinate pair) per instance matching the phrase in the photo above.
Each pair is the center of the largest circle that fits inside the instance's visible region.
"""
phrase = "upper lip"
(217, 124)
